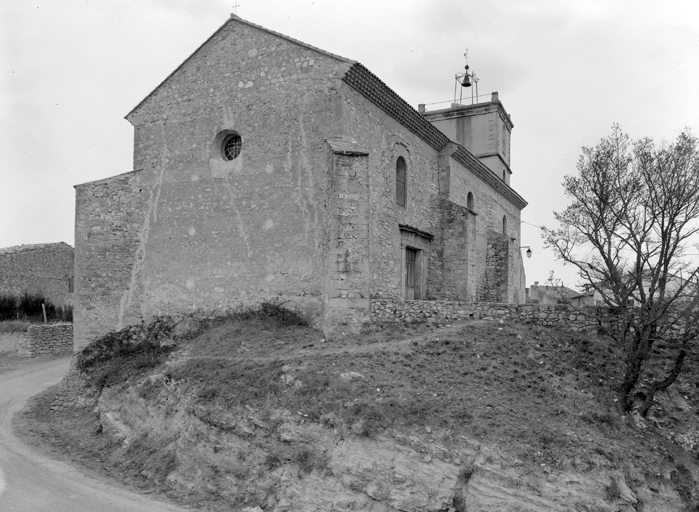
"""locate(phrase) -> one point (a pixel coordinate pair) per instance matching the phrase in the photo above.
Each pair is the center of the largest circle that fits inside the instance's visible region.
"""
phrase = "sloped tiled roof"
(465, 158)
(383, 97)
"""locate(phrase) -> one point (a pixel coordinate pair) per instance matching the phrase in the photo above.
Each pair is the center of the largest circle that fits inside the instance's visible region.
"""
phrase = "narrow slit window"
(504, 225)
(469, 201)
(401, 182)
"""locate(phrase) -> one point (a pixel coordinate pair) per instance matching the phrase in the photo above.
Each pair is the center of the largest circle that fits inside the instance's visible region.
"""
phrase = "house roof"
(16, 249)
(562, 291)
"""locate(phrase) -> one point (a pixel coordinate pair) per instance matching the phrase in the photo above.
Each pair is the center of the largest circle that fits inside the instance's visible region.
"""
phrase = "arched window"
(469, 201)
(503, 176)
(504, 224)
(401, 182)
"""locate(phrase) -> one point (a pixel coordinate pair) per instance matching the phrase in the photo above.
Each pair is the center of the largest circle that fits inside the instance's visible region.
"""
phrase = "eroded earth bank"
(257, 412)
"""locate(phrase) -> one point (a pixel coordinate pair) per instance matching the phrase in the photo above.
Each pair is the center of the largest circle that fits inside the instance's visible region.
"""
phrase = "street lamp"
(529, 250)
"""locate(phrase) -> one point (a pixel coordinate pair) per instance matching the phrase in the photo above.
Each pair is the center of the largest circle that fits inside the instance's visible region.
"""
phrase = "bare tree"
(634, 214)
(555, 287)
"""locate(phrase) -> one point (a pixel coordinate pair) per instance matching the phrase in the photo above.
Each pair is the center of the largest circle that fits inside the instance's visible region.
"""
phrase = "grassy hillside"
(541, 400)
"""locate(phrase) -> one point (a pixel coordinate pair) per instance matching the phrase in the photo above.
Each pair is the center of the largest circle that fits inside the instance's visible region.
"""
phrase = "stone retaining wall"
(51, 339)
(418, 311)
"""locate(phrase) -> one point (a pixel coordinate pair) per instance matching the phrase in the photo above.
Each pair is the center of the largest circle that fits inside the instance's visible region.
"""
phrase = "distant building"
(673, 285)
(556, 294)
(268, 169)
(45, 269)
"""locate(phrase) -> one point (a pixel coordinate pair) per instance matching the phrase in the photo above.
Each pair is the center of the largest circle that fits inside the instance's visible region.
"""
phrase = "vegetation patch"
(11, 326)
(119, 356)
(30, 307)
(543, 398)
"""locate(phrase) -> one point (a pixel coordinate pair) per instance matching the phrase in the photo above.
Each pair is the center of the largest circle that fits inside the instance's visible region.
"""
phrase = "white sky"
(70, 70)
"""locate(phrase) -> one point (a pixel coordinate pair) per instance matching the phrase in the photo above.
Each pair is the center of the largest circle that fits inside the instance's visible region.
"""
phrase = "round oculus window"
(231, 146)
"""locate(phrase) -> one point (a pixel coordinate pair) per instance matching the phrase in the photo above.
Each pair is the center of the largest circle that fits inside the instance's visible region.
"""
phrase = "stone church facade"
(267, 169)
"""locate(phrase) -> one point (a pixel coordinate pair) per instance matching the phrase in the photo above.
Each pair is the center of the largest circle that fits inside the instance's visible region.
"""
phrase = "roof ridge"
(236, 18)
(14, 249)
(292, 39)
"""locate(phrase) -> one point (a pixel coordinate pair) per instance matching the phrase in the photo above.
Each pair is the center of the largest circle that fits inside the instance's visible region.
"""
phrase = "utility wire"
(540, 227)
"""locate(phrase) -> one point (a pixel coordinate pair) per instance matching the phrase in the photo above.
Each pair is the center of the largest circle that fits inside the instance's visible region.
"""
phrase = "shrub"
(28, 306)
(67, 314)
(8, 307)
(272, 314)
(117, 356)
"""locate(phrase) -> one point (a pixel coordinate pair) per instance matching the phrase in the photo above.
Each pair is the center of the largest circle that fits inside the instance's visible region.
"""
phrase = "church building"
(266, 169)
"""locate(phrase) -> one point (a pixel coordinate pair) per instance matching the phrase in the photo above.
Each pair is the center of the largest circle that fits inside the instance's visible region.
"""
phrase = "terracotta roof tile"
(473, 164)
(370, 86)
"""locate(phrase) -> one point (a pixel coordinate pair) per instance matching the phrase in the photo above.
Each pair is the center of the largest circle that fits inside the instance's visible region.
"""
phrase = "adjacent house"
(38, 269)
(268, 169)
(558, 294)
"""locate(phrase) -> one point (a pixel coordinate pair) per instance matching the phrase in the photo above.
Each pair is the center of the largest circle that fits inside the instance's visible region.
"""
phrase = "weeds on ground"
(28, 307)
(268, 316)
(13, 326)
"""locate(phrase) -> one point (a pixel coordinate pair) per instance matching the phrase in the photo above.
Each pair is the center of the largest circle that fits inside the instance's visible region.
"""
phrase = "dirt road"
(32, 482)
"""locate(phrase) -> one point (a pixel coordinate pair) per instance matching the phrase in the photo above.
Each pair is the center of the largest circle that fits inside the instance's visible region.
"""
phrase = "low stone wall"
(51, 339)
(420, 311)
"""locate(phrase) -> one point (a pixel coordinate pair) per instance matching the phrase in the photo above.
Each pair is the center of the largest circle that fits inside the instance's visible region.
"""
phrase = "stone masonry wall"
(205, 233)
(51, 339)
(448, 265)
(494, 286)
(393, 311)
(108, 227)
(385, 140)
(489, 208)
(346, 285)
(40, 268)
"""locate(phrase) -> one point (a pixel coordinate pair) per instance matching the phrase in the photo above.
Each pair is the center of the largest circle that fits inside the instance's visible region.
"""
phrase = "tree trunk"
(663, 384)
(631, 375)
(634, 361)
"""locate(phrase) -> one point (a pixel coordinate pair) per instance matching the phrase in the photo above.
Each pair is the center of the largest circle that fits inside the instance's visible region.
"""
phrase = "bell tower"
(484, 128)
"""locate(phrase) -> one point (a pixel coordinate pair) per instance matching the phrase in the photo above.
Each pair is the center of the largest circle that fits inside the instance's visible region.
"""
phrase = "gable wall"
(210, 234)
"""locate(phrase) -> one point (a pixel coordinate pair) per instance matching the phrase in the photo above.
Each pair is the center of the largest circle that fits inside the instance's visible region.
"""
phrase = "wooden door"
(410, 274)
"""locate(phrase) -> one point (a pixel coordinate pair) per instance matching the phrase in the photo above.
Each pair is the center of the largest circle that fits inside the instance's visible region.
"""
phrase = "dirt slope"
(481, 416)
